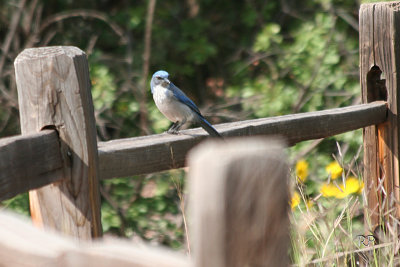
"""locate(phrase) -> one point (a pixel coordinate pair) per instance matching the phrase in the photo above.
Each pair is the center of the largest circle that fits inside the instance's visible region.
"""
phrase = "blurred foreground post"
(380, 80)
(239, 203)
(54, 93)
(23, 245)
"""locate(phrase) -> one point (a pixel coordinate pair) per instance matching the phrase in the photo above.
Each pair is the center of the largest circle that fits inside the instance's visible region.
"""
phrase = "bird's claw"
(172, 132)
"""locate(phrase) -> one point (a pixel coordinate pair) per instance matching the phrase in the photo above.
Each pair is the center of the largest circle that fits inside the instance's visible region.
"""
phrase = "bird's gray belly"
(173, 109)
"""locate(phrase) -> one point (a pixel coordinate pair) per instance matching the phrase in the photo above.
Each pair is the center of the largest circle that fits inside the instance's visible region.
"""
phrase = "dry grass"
(338, 232)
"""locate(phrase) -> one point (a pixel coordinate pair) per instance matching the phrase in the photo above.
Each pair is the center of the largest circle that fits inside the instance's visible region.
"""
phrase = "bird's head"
(160, 78)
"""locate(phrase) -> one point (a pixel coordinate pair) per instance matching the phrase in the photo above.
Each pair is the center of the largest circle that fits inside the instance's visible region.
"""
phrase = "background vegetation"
(236, 59)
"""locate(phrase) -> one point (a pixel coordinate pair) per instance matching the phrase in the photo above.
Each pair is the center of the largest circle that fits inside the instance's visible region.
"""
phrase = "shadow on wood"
(379, 56)
(28, 163)
(239, 203)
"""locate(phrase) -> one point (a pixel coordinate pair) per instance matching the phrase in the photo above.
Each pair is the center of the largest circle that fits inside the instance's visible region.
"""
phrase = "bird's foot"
(175, 132)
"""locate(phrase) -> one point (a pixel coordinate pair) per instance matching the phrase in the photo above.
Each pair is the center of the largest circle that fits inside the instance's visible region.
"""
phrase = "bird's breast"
(161, 94)
(170, 106)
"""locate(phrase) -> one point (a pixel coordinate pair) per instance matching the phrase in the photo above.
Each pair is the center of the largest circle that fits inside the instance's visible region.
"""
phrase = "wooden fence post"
(379, 60)
(239, 203)
(54, 92)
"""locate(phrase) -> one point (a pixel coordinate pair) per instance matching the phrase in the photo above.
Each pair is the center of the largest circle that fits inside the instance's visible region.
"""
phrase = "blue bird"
(175, 105)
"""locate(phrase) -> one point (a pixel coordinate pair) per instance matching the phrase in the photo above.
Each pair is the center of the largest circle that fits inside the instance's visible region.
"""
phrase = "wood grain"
(239, 203)
(23, 245)
(28, 162)
(54, 91)
(147, 154)
(379, 54)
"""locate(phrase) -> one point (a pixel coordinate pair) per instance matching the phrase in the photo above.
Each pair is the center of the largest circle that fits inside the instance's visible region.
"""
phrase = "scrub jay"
(175, 105)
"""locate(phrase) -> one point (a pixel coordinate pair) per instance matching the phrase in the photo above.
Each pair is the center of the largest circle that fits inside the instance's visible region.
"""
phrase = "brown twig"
(84, 14)
(28, 16)
(11, 32)
(16, 17)
(179, 190)
(146, 64)
(34, 37)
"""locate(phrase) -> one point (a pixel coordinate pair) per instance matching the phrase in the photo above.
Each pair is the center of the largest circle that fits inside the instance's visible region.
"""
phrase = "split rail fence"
(58, 160)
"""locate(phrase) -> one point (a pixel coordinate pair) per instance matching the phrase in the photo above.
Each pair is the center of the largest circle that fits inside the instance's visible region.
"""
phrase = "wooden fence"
(59, 160)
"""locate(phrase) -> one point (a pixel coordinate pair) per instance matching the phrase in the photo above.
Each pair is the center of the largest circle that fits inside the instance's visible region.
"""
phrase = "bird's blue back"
(181, 96)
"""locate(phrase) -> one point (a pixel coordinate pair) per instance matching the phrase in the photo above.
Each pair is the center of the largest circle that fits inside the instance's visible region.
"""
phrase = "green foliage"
(301, 72)
(270, 34)
(19, 204)
(147, 208)
(103, 88)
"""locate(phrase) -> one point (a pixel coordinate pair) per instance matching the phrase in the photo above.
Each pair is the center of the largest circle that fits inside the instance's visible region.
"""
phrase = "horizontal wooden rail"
(28, 162)
(31, 161)
(153, 153)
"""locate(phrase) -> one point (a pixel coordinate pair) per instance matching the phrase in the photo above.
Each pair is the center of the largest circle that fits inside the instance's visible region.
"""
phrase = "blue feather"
(181, 96)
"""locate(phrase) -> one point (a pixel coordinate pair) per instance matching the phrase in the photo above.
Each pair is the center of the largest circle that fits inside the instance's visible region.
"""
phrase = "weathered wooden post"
(239, 203)
(54, 92)
(380, 56)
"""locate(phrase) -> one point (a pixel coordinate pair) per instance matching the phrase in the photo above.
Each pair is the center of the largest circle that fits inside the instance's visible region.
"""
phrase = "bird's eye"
(158, 78)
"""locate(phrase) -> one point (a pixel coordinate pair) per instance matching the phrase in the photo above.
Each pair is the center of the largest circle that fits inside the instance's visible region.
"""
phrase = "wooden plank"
(131, 156)
(147, 154)
(379, 42)
(54, 91)
(25, 156)
(123, 253)
(239, 203)
(23, 245)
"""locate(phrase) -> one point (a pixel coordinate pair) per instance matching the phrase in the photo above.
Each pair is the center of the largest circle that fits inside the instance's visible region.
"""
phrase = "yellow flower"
(295, 200)
(329, 190)
(309, 203)
(334, 170)
(301, 170)
(342, 194)
(353, 185)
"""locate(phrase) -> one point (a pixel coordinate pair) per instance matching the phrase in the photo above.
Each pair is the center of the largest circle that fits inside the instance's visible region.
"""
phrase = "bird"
(176, 106)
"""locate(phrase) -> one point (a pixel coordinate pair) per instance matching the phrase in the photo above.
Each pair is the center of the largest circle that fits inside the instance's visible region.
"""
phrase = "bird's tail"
(208, 127)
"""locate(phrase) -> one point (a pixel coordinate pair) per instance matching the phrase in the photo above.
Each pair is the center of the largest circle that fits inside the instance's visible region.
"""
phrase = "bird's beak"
(167, 81)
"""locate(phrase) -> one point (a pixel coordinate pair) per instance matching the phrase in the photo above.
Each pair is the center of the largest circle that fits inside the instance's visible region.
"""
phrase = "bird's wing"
(183, 98)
